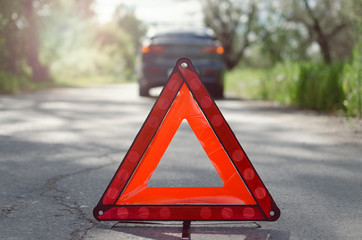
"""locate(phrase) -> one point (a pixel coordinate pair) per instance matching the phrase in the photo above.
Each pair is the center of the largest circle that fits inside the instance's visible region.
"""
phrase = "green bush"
(98, 56)
(308, 85)
(245, 82)
(352, 83)
(320, 86)
(280, 83)
(10, 83)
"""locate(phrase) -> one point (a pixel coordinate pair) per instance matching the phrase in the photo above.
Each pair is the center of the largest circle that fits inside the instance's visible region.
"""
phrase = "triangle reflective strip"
(243, 196)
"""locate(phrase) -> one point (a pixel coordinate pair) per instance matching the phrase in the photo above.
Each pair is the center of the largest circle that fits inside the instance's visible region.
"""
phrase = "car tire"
(219, 92)
(144, 91)
(216, 91)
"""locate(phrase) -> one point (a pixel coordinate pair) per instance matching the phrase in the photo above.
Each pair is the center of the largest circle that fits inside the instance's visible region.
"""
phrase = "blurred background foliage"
(59, 42)
(305, 53)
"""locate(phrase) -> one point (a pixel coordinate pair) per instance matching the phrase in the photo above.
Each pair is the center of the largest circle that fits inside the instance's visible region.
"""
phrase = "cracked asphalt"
(59, 149)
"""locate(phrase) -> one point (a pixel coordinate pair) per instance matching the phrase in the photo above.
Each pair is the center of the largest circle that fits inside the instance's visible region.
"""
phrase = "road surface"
(60, 148)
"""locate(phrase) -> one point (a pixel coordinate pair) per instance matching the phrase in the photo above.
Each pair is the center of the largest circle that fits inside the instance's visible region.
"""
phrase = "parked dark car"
(161, 51)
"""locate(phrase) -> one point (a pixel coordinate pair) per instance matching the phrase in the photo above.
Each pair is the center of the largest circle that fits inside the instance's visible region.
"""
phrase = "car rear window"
(182, 38)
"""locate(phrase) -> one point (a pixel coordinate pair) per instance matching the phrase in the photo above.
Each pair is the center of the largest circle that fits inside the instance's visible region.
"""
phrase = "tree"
(117, 49)
(129, 23)
(40, 72)
(281, 40)
(20, 41)
(233, 22)
(327, 24)
(23, 26)
(11, 37)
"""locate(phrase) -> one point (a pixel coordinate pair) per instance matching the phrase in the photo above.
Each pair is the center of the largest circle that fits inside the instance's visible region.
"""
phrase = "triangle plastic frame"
(111, 208)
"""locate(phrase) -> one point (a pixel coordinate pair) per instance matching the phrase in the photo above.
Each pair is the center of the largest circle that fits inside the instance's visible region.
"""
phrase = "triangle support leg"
(186, 230)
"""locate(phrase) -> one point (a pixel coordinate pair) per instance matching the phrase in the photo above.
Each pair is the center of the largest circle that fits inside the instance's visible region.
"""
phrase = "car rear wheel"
(216, 91)
(144, 91)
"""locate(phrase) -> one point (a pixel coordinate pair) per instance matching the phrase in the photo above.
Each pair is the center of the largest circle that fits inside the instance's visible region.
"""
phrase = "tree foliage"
(12, 22)
(281, 40)
(232, 21)
(40, 72)
(126, 19)
(326, 22)
(284, 29)
(22, 26)
(61, 40)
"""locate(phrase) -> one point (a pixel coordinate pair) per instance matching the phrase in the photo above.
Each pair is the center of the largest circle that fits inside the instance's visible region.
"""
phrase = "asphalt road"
(60, 148)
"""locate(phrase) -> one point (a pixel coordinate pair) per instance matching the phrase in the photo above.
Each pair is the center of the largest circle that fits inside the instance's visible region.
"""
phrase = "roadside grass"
(13, 84)
(280, 83)
(10, 83)
(352, 83)
(334, 88)
(244, 82)
(83, 81)
(320, 87)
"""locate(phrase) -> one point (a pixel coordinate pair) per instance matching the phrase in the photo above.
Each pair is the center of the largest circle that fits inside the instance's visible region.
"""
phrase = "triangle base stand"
(186, 230)
(186, 227)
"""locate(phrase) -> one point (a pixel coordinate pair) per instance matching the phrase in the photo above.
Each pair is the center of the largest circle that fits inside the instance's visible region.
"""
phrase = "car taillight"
(213, 50)
(153, 49)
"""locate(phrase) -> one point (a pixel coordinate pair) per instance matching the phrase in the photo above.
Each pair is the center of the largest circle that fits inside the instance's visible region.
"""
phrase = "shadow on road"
(246, 231)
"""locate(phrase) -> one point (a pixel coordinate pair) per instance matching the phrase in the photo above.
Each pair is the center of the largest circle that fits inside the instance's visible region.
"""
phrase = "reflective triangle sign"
(243, 195)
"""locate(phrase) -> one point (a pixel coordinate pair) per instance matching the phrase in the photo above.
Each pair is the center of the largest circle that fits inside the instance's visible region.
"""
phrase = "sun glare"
(156, 12)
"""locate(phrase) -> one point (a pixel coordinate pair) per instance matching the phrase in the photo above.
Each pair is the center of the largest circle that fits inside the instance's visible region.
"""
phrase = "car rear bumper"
(156, 74)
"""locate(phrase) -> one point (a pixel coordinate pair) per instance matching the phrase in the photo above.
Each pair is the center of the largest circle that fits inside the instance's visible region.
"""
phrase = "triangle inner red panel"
(243, 196)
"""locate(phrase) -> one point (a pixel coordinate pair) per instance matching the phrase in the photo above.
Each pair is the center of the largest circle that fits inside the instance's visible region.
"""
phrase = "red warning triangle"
(243, 196)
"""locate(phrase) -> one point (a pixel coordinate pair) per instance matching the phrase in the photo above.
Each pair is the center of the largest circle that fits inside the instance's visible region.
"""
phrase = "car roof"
(179, 32)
